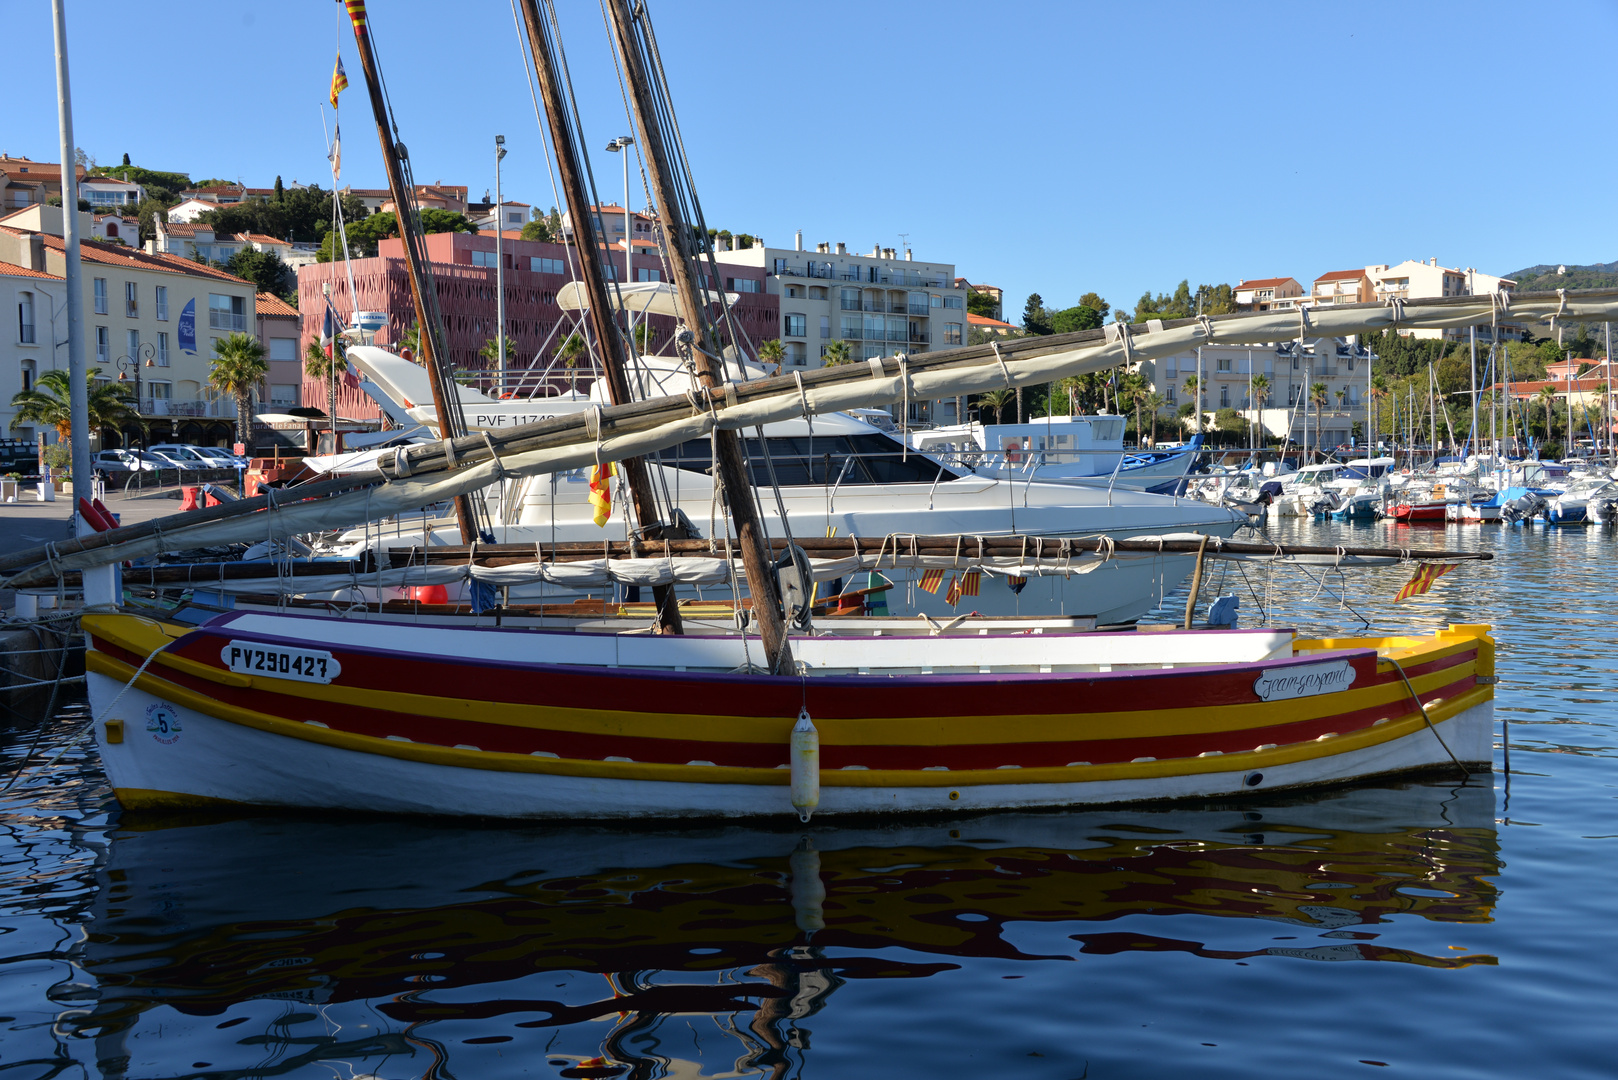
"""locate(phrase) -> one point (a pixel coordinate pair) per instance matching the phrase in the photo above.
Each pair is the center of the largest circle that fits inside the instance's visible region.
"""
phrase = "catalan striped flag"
(356, 12)
(931, 580)
(1423, 578)
(953, 595)
(601, 491)
(1016, 584)
(339, 80)
(972, 583)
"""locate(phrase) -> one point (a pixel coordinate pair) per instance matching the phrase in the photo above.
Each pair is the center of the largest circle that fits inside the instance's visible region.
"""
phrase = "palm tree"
(996, 400)
(569, 351)
(1318, 395)
(1134, 387)
(1379, 390)
(1547, 397)
(1154, 405)
(410, 340)
(836, 354)
(317, 365)
(238, 369)
(1261, 394)
(1193, 387)
(47, 403)
(773, 352)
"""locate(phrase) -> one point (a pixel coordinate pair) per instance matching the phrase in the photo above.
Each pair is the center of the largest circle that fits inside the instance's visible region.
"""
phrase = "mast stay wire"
(408, 220)
(690, 210)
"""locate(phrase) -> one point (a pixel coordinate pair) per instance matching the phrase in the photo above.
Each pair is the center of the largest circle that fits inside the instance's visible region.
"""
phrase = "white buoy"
(805, 766)
(808, 891)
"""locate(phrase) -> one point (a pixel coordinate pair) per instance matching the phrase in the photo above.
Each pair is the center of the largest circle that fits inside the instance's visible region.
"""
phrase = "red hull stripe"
(503, 738)
(833, 697)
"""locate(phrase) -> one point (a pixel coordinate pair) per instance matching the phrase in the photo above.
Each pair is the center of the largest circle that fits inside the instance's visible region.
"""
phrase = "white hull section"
(210, 758)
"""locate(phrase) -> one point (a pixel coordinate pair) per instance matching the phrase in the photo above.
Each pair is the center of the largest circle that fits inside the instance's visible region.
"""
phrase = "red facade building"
(464, 269)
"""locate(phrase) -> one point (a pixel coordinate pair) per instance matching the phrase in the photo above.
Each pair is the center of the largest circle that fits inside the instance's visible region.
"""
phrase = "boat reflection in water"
(258, 945)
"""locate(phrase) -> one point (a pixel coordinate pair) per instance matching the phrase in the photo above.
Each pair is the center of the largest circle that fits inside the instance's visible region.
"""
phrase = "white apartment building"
(1411, 280)
(108, 192)
(1268, 294)
(149, 321)
(1226, 370)
(877, 304)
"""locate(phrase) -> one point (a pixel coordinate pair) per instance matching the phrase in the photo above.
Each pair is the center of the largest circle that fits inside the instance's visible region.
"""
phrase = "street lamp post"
(499, 270)
(621, 145)
(125, 364)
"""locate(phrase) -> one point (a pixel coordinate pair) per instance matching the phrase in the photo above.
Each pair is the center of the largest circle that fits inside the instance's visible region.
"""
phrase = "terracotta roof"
(97, 251)
(1263, 283)
(260, 238)
(1341, 275)
(984, 320)
(273, 307)
(36, 170)
(184, 228)
(8, 270)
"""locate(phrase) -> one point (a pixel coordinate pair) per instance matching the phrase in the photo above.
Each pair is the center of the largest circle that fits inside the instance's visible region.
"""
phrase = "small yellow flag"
(601, 491)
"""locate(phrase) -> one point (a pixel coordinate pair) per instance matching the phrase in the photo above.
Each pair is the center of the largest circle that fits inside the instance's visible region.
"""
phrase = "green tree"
(238, 369)
(1192, 388)
(1154, 406)
(1094, 302)
(266, 271)
(47, 403)
(544, 227)
(1261, 394)
(996, 400)
(1379, 391)
(1070, 320)
(1547, 398)
(772, 352)
(980, 303)
(490, 352)
(317, 365)
(1319, 394)
(836, 354)
(1134, 389)
(1035, 319)
(280, 189)
(569, 352)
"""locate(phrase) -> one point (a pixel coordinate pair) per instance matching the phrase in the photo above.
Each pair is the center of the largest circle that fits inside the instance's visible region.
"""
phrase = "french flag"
(327, 333)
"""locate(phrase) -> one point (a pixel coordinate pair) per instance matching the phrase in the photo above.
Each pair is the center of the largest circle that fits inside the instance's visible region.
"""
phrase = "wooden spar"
(965, 549)
(614, 358)
(730, 466)
(640, 416)
(1196, 581)
(431, 335)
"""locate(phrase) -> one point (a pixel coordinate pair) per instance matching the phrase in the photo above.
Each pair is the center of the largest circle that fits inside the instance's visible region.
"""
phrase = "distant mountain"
(1544, 276)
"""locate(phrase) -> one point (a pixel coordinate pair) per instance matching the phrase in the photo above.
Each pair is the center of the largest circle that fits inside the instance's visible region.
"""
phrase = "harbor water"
(1447, 926)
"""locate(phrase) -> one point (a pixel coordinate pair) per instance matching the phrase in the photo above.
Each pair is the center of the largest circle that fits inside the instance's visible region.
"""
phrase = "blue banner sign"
(188, 327)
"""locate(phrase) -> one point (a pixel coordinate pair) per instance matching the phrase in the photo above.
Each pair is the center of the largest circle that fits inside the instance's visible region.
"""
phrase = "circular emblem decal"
(163, 722)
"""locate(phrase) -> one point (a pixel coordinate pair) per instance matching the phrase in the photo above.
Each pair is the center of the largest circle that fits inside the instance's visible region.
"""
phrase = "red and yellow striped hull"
(537, 724)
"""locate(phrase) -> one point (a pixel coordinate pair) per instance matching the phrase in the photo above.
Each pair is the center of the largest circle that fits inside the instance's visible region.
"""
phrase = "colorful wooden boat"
(303, 711)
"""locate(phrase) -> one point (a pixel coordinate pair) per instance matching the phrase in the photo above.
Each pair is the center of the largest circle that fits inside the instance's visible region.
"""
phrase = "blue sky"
(1050, 147)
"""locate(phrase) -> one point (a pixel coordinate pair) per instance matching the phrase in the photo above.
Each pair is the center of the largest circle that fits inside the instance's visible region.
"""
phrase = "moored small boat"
(311, 712)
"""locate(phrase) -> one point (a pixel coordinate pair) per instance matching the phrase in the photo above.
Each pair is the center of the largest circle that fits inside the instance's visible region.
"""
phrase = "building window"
(227, 313)
(132, 344)
(161, 302)
(1294, 363)
(25, 318)
(648, 273)
(851, 328)
(1224, 397)
(101, 295)
(283, 348)
(779, 266)
(938, 301)
(131, 300)
(609, 271)
(1223, 363)
(1351, 361)
(103, 353)
(162, 350)
(795, 326)
(952, 333)
(547, 266)
(514, 217)
(955, 302)
(1168, 395)
(159, 391)
(825, 326)
(744, 285)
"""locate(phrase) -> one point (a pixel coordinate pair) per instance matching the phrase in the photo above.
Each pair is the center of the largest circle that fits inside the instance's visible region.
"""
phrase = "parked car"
(127, 461)
(224, 458)
(186, 457)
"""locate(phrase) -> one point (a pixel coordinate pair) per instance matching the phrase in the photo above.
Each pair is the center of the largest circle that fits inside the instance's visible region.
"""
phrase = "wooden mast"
(730, 467)
(431, 335)
(614, 357)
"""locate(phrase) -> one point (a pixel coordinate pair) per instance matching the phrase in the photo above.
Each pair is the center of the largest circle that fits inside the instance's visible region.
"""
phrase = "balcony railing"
(917, 309)
(920, 337)
(898, 335)
(851, 305)
(225, 320)
(199, 406)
